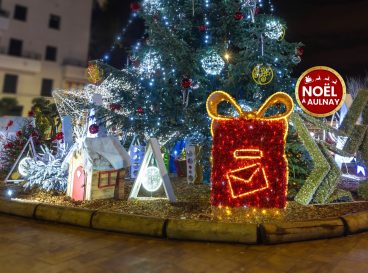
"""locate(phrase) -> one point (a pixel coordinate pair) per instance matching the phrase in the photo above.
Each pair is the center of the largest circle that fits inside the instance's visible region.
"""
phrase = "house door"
(78, 184)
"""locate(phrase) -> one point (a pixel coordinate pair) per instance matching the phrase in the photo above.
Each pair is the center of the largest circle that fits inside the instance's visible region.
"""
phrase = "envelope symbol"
(249, 179)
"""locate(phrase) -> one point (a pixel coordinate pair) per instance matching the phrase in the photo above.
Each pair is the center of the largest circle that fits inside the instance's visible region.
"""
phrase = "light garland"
(274, 30)
(212, 63)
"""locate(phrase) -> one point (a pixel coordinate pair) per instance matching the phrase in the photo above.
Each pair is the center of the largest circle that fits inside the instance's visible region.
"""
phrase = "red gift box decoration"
(249, 165)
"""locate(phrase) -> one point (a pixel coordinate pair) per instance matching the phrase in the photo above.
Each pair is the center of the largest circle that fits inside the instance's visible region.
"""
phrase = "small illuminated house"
(97, 169)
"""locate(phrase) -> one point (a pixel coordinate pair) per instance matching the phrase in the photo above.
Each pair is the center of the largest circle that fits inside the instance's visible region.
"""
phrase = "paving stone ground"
(30, 246)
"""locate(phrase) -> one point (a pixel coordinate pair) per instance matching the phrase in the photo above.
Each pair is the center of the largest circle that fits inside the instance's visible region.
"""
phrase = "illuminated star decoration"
(212, 63)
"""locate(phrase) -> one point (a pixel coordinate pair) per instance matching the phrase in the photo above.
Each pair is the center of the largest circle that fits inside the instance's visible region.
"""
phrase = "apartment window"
(46, 87)
(51, 53)
(10, 84)
(54, 21)
(15, 47)
(20, 13)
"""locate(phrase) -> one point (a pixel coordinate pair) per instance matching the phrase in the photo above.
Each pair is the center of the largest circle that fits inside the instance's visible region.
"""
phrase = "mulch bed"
(193, 203)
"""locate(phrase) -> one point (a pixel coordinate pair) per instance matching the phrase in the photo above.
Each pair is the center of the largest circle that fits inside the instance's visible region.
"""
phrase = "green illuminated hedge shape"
(321, 166)
(359, 105)
(329, 183)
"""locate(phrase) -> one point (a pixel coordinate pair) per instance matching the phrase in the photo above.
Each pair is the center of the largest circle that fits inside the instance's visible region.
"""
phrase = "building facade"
(43, 46)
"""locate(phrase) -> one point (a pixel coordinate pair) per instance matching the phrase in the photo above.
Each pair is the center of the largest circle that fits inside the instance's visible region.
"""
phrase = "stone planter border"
(193, 230)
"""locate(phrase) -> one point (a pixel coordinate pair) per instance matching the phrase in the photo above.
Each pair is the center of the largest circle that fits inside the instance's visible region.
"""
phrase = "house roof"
(110, 148)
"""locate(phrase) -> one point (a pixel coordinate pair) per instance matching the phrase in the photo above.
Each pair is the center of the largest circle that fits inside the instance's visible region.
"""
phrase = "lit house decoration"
(153, 174)
(249, 166)
(97, 170)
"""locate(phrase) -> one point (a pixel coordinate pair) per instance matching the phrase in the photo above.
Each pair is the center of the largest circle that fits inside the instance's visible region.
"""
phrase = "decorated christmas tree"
(191, 48)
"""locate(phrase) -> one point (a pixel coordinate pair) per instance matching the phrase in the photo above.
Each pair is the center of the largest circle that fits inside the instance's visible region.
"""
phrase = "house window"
(110, 178)
(10, 84)
(54, 21)
(46, 88)
(15, 47)
(51, 53)
(20, 13)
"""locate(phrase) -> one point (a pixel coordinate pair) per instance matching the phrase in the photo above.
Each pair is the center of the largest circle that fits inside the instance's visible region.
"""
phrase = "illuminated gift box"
(249, 165)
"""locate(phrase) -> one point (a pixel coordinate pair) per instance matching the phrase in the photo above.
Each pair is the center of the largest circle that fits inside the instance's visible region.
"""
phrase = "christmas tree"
(192, 48)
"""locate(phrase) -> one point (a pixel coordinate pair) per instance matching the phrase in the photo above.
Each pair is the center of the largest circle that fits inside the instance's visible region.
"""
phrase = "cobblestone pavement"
(30, 246)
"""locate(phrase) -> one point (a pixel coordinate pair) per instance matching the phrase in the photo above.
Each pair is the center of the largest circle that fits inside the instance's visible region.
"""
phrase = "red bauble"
(94, 128)
(115, 106)
(140, 110)
(238, 16)
(19, 133)
(135, 6)
(30, 114)
(202, 28)
(186, 83)
(299, 51)
(136, 63)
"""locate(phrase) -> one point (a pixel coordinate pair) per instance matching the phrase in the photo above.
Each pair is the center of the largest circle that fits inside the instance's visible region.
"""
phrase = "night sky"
(335, 32)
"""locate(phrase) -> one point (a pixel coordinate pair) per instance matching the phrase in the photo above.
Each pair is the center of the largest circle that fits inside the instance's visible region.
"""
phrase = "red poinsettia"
(19, 133)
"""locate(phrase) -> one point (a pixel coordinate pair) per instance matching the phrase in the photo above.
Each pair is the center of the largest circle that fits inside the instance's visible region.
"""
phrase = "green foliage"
(329, 184)
(9, 107)
(340, 196)
(363, 190)
(355, 140)
(299, 160)
(356, 109)
(321, 166)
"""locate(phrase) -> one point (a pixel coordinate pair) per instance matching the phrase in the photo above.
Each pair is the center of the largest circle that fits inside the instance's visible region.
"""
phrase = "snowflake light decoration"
(151, 63)
(274, 30)
(152, 6)
(152, 181)
(212, 63)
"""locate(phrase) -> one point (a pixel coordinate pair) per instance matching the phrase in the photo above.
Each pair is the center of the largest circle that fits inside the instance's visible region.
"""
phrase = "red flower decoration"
(94, 128)
(19, 133)
(186, 83)
(135, 6)
(34, 134)
(202, 28)
(140, 110)
(8, 145)
(59, 136)
(10, 123)
(115, 106)
(30, 114)
(238, 16)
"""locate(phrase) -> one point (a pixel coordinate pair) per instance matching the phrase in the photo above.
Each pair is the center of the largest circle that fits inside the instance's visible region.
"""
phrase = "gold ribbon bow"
(220, 96)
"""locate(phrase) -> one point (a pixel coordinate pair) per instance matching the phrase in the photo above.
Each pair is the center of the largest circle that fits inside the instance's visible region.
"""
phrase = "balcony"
(28, 62)
(4, 20)
(74, 70)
